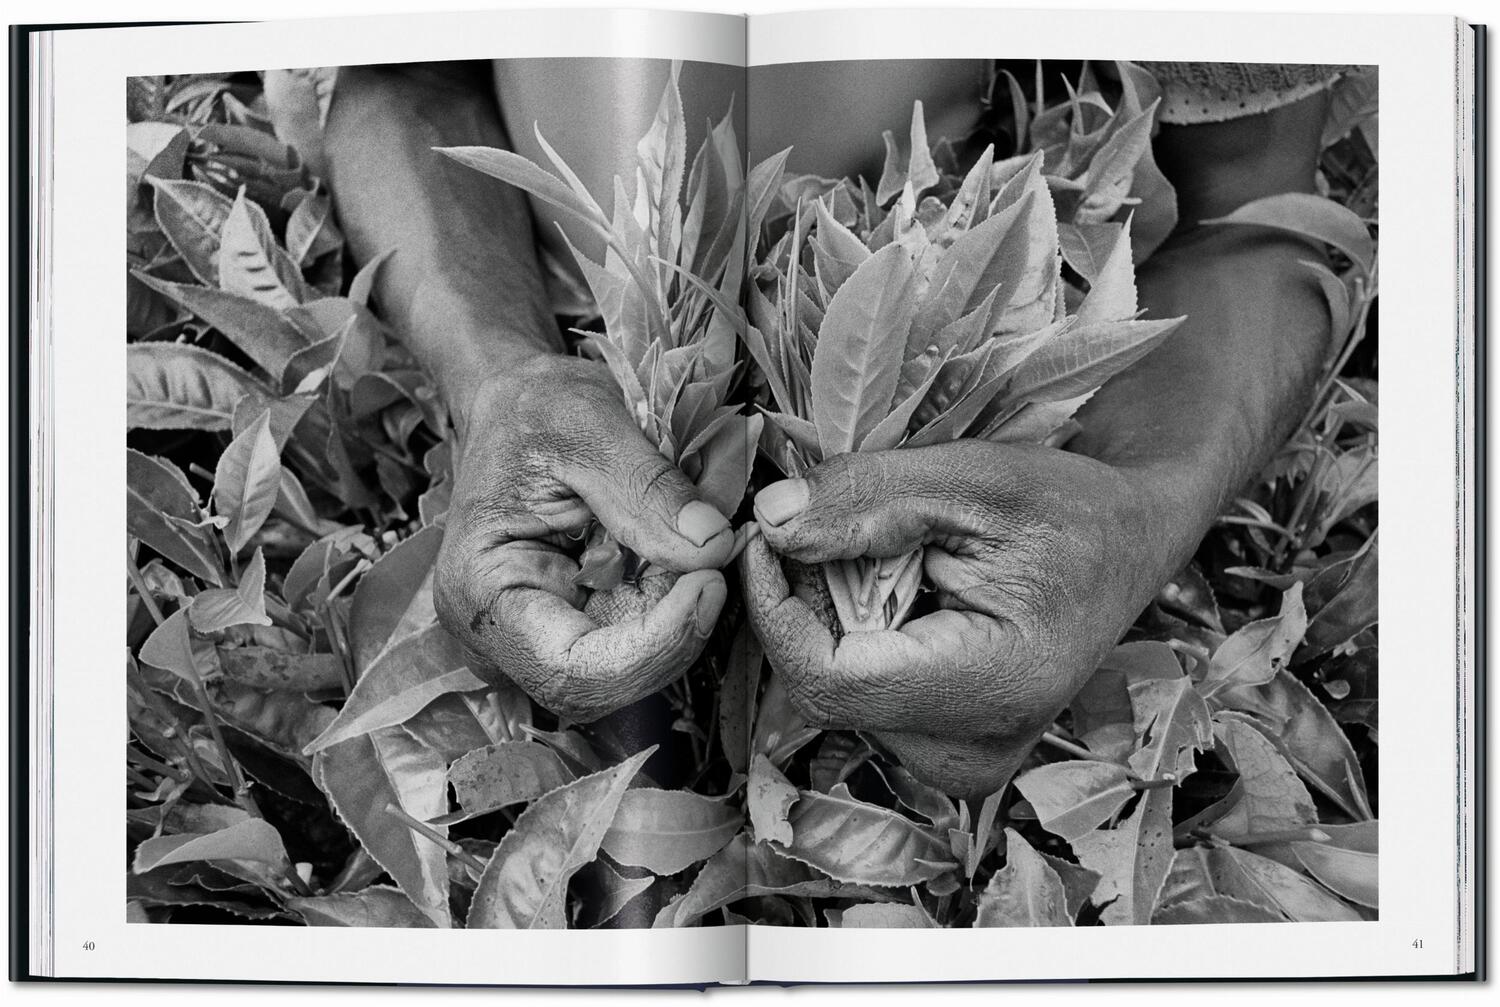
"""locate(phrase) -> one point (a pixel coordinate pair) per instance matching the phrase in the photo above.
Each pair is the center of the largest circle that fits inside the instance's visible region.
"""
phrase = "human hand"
(547, 448)
(1040, 559)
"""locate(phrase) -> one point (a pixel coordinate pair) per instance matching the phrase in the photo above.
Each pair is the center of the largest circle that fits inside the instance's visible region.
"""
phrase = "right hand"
(547, 448)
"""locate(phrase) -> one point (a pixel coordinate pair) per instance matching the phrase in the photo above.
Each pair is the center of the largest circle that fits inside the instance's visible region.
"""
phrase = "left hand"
(1040, 560)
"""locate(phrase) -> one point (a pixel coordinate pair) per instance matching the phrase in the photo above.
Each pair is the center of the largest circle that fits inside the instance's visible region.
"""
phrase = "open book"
(649, 498)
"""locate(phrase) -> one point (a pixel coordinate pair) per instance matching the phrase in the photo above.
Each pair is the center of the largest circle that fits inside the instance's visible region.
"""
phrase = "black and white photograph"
(628, 493)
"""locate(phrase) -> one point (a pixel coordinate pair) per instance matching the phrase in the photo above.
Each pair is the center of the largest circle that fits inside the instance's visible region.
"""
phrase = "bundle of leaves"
(307, 746)
(668, 343)
(940, 317)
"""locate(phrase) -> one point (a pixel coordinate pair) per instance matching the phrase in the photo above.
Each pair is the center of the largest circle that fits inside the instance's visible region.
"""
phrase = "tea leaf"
(251, 263)
(1071, 798)
(860, 843)
(1309, 216)
(523, 174)
(174, 386)
(666, 831)
(1354, 874)
(1305, 732)
(1171, 723)
(1216, 909)
(769, 798)
(376, 906)
(267, 668)
(525, 883)
(1111, 296)
(1274, 799)
(393, 595)
(361, 777)
(1244, 875)
(512, 772)
(1132, 859)
(262, 332)
(885, 916)
(1255, 652)
(858, 361)
(742, 870)
(1082, 358)
(191, 215)
(155, 489)
(220, 608)
(252, 839)
(247, 480)
(398, 684)
(1026, 892)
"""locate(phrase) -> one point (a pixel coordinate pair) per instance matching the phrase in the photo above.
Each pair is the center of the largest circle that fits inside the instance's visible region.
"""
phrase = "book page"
(323, 262)
(1072, 736)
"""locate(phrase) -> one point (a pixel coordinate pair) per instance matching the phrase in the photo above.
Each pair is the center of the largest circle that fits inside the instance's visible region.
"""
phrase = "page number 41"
(1417, 944)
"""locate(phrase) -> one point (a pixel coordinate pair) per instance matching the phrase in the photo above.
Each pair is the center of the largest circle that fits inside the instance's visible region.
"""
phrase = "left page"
(428, 472)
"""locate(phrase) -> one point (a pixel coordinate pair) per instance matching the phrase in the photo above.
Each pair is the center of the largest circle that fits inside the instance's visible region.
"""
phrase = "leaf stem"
(1076, 750)
(241, 789)
(423, 829)
(138, 581)
(1307, 834)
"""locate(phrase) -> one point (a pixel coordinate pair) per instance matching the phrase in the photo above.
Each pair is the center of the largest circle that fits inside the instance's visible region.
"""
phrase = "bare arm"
(1196, 419)
(548, 444)
(1043, 558)
(463, 287)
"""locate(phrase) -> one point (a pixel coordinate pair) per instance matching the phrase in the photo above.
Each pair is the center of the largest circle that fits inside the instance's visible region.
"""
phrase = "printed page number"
(1417, 944)
(88, 945)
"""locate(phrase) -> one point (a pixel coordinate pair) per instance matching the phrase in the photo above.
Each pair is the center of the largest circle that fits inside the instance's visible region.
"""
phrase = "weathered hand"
(547, 448)
(1040, 559)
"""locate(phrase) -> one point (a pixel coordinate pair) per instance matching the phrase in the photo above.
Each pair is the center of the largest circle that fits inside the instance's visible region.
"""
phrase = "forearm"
(1196, 419)
(463, 287)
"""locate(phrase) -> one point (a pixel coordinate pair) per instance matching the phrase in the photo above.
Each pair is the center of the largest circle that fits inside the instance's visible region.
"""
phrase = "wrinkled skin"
(1043, 557)
(1040, 559)
(553, 447)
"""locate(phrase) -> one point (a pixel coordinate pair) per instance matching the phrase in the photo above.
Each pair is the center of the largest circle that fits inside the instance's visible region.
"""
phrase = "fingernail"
(698, 522)
(779, 502)
(707, 612)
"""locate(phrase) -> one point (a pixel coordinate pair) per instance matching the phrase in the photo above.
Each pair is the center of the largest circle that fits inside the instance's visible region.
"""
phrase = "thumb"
(650, 506)
(877, 503)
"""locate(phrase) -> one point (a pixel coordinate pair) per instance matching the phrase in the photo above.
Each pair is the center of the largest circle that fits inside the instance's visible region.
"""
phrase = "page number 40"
(88, 945)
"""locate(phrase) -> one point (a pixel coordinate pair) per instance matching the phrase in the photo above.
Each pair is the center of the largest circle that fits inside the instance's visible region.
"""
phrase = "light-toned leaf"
(247, 480)
(666, 831)
(885, 916)
(1215, 909)
(769, 797)
(860, 843)
(367, 773)
(1306, 215)
(252, 839)
(512, 772)
(1026, 892)
(525, 883)
(402, 681)
(1255, 652)
(860, 343)
(395, 592)
(1071, 798)
(376, 906)
(1274, 798)
(174, 386)
(251, 264)
(156, 489)
(245, 604)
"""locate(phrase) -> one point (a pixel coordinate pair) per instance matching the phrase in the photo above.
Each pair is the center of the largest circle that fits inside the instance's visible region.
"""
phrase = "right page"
(1067, 573)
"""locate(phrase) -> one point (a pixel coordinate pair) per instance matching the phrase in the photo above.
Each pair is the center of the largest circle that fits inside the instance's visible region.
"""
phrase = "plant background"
(306, 746)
